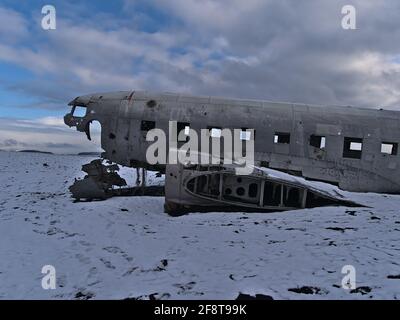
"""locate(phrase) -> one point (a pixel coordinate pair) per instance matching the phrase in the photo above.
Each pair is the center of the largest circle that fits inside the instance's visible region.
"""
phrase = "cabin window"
(317, 141)
(389, 148)
(282, 137)
(183, 126)
(79, 111)
(246, 135)
(147, 125)
(215, 132)
(352, 148)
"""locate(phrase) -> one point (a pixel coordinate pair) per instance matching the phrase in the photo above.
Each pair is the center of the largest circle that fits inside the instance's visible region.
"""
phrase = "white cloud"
(46, 122)
(13, 26)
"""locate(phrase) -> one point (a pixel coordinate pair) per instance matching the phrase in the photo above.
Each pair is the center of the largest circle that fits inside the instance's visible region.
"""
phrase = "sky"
(279, 50)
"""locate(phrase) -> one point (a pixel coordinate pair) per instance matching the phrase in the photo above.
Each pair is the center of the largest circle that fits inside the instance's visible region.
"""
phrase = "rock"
(306, 290)
(362, 290)
(244, 296)
(84, 295)
(375, 218)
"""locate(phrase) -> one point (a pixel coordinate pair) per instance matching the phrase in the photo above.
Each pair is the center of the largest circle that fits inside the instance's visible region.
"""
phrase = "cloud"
(47, 121)
(285, 50)
(13, 26)
(45, 134)
(11, 143)
(298, 50)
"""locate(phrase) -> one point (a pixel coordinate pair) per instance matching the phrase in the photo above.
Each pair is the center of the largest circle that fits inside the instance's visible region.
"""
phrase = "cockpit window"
(79, 111)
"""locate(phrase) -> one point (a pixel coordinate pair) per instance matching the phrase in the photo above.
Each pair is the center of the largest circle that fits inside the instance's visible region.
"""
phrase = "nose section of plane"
(80, 101)
(76, 117)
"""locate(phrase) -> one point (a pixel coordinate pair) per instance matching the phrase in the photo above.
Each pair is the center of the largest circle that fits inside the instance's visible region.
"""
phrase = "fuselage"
(355, 148)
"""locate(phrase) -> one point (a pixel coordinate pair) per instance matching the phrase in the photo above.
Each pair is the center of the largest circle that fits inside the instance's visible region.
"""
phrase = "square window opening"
(215, 132)
(389, 148)
(79, 111)
(352, 148)
(282, 137)
(317, 141)
(183, 126)
(246, 135)
(146, 125)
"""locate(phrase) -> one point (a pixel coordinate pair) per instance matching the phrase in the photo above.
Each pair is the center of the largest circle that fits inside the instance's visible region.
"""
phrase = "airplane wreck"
(296, 147)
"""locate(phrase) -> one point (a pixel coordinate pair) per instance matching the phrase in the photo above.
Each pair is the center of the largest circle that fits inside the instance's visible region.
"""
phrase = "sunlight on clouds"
(374, 64)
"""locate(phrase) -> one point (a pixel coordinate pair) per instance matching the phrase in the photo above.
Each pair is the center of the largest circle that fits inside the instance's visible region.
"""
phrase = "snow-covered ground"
(128, 248)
